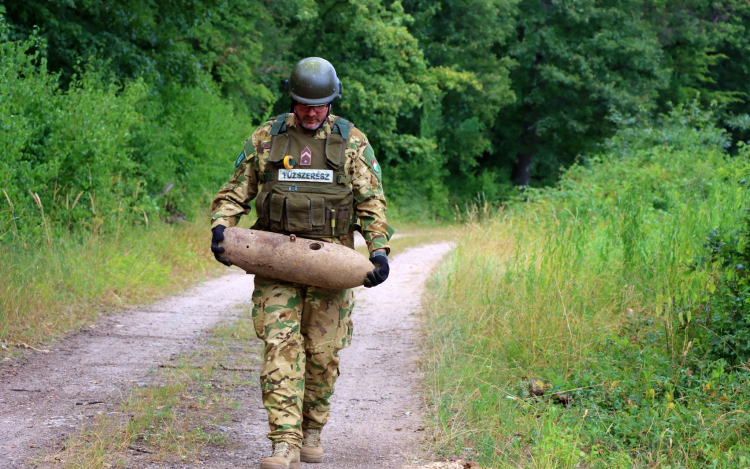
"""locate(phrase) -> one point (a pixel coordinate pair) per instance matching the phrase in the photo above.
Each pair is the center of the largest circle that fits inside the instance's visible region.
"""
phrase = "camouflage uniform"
(303, 327)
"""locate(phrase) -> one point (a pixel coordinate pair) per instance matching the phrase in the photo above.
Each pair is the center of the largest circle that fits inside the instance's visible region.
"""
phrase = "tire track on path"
(378, 412)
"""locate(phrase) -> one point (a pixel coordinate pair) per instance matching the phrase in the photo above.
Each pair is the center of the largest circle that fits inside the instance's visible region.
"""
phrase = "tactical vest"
(313, 199)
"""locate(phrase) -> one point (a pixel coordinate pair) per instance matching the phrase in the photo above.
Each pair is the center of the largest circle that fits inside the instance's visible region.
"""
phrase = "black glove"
(217, 236)
(380, 273)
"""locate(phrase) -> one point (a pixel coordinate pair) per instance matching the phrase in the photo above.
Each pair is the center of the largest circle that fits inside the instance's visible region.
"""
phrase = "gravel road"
(376, 412)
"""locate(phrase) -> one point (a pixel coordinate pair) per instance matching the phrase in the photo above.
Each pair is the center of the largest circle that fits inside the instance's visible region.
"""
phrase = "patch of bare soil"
(376, 419)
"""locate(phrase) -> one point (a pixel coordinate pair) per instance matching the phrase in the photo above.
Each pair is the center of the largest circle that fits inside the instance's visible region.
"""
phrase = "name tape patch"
(309, 175)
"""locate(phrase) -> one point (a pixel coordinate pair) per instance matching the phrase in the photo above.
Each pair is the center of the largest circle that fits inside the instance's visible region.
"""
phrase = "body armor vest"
(313, 199)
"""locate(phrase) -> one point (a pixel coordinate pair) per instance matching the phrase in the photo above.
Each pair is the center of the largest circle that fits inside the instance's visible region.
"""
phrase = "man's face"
(310, 117)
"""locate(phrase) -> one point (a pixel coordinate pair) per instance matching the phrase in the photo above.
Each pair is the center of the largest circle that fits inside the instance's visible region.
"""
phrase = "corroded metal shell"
(299, 260)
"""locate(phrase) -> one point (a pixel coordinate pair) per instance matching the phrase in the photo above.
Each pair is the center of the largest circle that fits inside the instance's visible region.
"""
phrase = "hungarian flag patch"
(372, 162)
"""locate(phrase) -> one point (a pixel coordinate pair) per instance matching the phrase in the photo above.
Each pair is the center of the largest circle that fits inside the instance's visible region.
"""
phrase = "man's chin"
(310, 125)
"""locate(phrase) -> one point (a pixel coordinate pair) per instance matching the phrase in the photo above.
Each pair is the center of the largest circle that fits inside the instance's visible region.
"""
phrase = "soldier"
(314, 175)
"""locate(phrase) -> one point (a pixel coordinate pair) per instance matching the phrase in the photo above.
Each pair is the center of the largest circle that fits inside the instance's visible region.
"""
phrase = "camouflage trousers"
(303, 328)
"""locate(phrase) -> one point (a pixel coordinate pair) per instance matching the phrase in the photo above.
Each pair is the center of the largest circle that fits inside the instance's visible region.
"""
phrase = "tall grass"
(88, 175)
(47, 289)
(586, 293)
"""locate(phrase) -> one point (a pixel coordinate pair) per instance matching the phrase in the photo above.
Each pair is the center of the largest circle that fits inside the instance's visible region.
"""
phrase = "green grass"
(48, 289)
(590, 288)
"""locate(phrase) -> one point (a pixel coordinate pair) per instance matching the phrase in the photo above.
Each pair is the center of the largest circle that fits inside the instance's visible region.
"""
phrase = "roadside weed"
(46, 291)
(593, 290)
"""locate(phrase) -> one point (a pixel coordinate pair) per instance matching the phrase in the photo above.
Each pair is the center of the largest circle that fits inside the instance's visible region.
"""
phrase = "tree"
(161, 41)
(703, 43)
(469, 36)
(387, 81)
(577, 62)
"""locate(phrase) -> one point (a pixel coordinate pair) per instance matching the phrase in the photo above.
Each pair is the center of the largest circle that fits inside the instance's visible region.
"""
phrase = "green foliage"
(139, 35)
(577, 62)
(235, 50)
(100, 154)
(49, 136)
(585, 287)
(189, 138)
(458, 98)
(467, 36)
(723, 321)
(563, 68)
(163, 42)
(703, 44)
(683, 128)
(387, 82)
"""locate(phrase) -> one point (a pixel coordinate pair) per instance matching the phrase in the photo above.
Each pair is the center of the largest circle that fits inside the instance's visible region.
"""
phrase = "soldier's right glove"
(217, 236)
(380, 273)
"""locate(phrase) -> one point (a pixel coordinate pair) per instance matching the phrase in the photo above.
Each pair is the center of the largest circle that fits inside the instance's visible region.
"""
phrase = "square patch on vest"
(305, 158)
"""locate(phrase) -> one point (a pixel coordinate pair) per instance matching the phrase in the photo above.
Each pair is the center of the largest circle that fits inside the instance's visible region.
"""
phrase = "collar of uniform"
(324, 130)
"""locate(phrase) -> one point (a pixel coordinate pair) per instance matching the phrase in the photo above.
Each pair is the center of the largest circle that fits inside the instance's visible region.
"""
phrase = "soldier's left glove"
(380, 273)
(217, 236)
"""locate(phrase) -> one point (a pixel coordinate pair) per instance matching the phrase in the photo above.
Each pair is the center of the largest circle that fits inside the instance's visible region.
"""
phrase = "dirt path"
(45, 397)
(376, 412)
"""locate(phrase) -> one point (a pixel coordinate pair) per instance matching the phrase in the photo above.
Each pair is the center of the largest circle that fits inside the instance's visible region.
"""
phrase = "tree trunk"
(521, 173)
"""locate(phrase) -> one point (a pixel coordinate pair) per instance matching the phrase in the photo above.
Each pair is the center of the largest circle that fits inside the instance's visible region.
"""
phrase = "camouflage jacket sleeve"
(233, 200)
(369, 199)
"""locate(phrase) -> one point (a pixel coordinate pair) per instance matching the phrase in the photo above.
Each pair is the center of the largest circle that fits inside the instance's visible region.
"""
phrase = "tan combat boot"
(312, 448)
(285, 456)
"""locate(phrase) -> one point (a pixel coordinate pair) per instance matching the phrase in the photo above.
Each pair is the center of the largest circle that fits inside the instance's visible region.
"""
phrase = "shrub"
(585, 288)
(724, 321)
(101, 154)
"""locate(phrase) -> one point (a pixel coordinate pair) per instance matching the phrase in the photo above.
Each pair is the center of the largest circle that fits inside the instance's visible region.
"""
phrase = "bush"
(101, 154)
(723, 323)
(584, 287)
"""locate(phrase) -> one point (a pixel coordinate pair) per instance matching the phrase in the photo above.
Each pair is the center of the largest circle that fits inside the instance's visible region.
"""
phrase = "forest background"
(139, 108)
(596, 149)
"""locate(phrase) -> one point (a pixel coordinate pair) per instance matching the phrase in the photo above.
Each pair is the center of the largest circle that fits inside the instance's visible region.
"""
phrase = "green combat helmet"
(313, 82)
